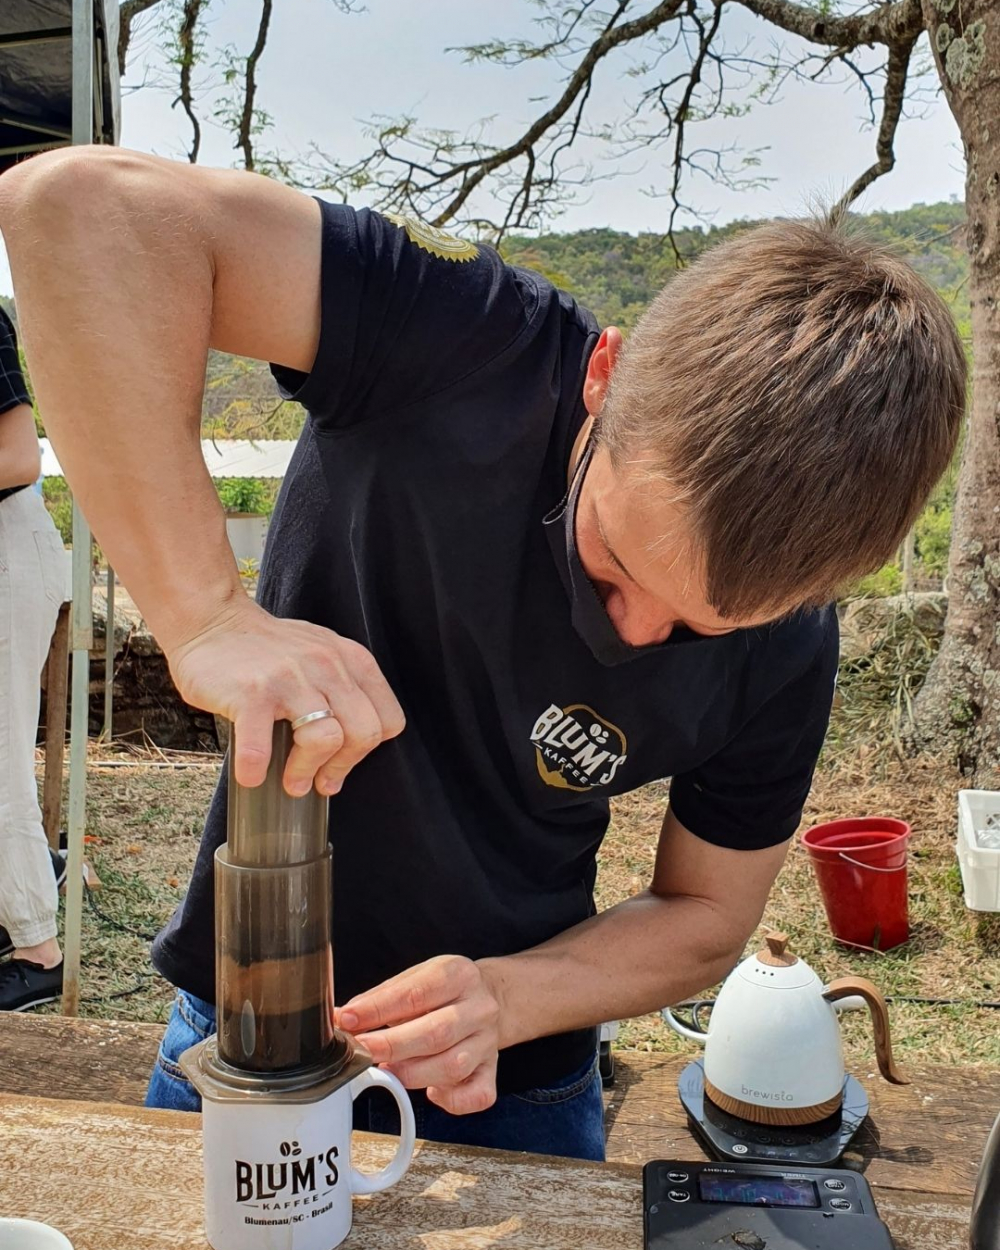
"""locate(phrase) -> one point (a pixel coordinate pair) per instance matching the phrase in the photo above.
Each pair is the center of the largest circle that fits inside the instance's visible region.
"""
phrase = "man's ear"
(599, 369)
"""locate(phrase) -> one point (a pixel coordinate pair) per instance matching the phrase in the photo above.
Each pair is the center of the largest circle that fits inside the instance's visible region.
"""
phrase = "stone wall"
(146, 704)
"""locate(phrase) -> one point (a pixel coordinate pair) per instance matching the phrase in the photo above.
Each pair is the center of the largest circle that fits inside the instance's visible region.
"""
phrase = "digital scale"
(735, 1140)
(746, 1206)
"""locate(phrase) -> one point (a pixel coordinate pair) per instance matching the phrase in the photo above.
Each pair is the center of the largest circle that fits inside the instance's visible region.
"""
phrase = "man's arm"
(445, 1021)
(127, 269)
(20, 456)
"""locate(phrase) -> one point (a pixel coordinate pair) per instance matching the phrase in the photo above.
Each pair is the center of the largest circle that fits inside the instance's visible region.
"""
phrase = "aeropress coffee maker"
(278, 1080)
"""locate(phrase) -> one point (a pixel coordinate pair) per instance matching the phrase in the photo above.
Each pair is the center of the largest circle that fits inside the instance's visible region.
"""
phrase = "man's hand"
(254, 669)
(435, 1026)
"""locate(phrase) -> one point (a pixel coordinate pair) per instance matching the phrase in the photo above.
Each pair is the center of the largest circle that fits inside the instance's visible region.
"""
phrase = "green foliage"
(59, 502)
(933, 531)
(241, 402)
(887, 581)
(244, 494)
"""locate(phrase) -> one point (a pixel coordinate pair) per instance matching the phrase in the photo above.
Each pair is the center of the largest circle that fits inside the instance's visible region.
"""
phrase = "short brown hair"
(803, 389)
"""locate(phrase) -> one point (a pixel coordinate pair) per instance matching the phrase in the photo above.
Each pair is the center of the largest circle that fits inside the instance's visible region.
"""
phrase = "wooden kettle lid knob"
(776, 954)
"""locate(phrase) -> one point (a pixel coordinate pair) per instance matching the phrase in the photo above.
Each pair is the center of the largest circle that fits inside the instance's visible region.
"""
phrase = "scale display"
(757, 1191)
(754, 1206)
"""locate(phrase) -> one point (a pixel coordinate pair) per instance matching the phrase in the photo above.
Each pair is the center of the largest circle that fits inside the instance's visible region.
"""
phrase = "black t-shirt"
(443, 404)
(13, 391)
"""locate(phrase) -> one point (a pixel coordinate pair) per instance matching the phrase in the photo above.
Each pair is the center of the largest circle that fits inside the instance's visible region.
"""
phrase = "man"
(572, 567)
(32, 584)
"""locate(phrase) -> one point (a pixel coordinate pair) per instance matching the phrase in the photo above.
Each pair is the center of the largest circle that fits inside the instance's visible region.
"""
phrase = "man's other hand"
(435, 1026)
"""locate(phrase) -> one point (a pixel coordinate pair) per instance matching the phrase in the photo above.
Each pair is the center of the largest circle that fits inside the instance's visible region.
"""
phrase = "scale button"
(763, 1138)
(771, 1154)
(682, 1195)
(835, 1185)
(840, 1204)
(740, 1149)
(811, 1154)
(677, 1177)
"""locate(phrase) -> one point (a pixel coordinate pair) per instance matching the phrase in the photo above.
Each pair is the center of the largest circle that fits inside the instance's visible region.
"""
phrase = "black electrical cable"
(115, 924)
(140, 985)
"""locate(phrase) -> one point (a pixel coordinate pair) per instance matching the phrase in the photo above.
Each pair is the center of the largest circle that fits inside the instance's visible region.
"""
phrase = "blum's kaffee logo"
(575, 748)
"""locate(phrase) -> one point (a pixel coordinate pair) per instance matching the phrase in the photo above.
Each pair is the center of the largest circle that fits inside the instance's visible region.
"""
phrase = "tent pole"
(83, 617)
(109, 657)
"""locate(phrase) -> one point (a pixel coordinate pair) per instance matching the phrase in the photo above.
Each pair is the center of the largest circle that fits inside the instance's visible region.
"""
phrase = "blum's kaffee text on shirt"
(427, 515)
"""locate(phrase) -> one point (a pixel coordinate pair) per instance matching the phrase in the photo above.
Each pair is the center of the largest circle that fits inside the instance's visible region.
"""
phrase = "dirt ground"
(144, 824)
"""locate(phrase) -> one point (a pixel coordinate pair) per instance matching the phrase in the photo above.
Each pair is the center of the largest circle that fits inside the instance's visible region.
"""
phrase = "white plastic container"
(979, 810)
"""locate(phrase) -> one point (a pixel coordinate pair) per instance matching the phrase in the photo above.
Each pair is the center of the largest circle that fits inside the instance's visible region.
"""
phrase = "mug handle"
(375, 1182)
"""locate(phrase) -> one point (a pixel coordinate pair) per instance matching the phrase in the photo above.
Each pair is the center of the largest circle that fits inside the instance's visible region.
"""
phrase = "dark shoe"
(24, 985)
(59, 868)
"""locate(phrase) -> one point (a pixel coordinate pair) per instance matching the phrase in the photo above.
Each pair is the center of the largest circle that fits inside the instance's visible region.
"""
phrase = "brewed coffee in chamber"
(273, 898)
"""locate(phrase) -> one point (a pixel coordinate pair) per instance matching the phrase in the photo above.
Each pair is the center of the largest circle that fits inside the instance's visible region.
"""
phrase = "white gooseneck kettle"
(773, 1052)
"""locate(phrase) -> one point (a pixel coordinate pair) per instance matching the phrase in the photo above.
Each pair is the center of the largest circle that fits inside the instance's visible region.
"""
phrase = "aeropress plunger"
(278, 1081)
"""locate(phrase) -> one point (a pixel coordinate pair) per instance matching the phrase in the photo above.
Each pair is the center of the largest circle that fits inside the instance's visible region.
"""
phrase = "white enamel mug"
(278, 1175)
(28, 1235)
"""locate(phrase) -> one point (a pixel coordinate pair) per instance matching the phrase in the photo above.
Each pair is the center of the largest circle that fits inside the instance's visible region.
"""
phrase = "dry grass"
(950, 955)
(145, 823)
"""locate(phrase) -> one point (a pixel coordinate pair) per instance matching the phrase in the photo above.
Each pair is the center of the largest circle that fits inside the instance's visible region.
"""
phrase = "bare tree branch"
(188, 55)
(516, 51)
(892, 108)
(900, 21)
(705, 37)
(244, 138)
(129, 11)
(611, 38)
(441, 174)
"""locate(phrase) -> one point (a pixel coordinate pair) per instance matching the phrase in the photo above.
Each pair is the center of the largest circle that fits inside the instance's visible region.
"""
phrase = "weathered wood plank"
(113, 1177)
(925, 1221)
(134, 1179)
(56, 700)
(927, 1136)
(92, 1060)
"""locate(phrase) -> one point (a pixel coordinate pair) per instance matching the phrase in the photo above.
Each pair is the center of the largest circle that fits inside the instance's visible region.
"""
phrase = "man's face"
(636, 543)
(638, 551)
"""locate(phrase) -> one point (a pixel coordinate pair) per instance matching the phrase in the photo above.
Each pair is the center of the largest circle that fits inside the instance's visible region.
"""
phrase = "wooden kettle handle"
(844, 987)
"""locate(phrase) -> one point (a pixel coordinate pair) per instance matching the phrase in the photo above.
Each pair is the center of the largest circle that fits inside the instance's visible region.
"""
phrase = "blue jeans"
(567, 1118)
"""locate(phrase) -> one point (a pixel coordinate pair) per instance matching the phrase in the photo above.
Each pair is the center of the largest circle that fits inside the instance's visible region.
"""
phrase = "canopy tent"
(59, 85)
(36, 75)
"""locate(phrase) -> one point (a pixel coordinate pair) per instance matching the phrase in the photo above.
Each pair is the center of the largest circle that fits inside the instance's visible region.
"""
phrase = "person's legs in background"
(32, 581)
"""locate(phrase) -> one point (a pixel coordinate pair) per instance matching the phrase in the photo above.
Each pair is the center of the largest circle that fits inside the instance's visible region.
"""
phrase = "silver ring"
(326, 714)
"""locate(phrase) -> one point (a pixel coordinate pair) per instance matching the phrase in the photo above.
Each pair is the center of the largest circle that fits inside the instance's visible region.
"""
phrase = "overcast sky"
(323, 73)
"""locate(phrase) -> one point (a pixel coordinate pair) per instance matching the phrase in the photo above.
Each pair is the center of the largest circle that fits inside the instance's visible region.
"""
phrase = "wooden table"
(114, 1176)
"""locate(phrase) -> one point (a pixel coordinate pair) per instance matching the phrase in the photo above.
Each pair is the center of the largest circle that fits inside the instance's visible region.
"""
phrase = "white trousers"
(33, 583)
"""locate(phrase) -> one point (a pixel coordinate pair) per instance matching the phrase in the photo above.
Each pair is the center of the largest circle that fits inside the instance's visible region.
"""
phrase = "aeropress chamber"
(278, 1080)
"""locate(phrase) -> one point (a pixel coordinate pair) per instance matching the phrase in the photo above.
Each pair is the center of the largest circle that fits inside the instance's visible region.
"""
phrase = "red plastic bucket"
(861, 868)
